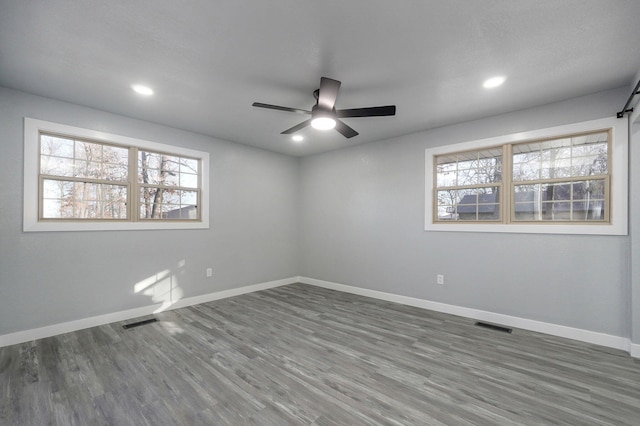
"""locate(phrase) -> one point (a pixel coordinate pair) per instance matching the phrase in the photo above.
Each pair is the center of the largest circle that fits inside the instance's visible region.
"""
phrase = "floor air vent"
(494, 327)
(139, 323)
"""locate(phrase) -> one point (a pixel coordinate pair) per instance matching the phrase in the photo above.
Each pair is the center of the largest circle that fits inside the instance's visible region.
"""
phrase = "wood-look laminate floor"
(305, 355)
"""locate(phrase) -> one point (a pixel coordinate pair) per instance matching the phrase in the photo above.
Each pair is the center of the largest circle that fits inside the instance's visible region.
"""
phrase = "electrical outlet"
(440, 279)
(209, 272)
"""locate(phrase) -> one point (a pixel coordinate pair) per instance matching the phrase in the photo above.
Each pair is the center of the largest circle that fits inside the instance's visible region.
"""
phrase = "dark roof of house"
(525, 202)
(182, 212)
(486, 204)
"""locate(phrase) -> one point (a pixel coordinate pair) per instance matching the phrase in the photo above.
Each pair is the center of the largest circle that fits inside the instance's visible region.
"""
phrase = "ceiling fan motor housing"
(319, 111)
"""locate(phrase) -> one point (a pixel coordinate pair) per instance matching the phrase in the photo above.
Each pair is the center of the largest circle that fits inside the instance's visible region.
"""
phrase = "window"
(78, 179)
(569, 179)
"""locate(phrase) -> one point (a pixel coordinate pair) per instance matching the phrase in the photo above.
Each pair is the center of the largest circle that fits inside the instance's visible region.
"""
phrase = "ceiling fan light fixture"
(323, 123)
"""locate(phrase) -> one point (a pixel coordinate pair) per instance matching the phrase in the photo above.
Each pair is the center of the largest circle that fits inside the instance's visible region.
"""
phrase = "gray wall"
(634, 219)
(53, 277)
(634, 224)
(361, 220)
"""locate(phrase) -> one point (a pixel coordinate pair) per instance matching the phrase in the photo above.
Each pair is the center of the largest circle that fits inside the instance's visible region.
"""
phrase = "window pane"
(52, 209)
(150, 202)
(588, 210)
(469, 168)
(446, 175)
(159, 211)
(188, 180)
(171, 211)
(584, 155)
(589, 189)
(562, 201)
(56, 166)
(56, 146)
(588, 200)
(172, 164)
(163, 203)
(52, 189)
(166, 170)
(527, 202)
(556, 168)
(158, 177)
(83, 170)
(188, 197)
(447, 201)
(88, 151)
(477, 204)
(172, 197)
(81, 200)
(114, 172)
(115, 155)
(526, 166)
(183, 212)
(189, 165)
(81, 159)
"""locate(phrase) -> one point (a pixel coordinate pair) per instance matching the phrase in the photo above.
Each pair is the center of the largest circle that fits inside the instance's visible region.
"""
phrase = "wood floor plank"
(300, 354)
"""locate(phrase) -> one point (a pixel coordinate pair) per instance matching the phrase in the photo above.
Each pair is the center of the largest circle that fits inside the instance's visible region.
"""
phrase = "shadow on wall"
(162, 287)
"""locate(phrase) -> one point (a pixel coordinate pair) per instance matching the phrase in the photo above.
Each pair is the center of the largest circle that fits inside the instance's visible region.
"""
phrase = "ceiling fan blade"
(378, 111)
(297, 127)
(328, 93)
(345, 130)
(280, 108)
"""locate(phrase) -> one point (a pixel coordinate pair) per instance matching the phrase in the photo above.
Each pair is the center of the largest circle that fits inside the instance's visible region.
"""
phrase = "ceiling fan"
(325, 116)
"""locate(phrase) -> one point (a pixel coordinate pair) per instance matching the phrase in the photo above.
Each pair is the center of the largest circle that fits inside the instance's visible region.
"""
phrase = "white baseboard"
(601, 339)
(66, 327)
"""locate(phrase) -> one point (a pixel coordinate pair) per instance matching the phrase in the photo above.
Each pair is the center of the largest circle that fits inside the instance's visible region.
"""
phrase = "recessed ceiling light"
(493, 82)
(297, 138)
(143, 90)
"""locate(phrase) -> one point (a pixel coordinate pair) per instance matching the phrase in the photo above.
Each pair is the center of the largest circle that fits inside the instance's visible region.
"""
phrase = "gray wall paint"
(634, 228)
(362, 225)
(53, 277)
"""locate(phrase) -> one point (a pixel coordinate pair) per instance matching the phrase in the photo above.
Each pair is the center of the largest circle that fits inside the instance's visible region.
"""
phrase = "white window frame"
(32, 129)
(619, 182)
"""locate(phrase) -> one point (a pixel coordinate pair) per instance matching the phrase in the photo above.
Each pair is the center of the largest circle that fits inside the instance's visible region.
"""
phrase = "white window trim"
(619, 181)
(32, 129)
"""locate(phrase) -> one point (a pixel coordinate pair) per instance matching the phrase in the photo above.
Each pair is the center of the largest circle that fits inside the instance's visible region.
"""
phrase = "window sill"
(65, 226)
(559, 228)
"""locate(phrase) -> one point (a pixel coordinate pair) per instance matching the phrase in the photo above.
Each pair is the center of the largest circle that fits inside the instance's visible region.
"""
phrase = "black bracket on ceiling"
(626, 108)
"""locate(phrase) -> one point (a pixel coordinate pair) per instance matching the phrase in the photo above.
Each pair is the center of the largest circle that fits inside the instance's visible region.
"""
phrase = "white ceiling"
(209, 60)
